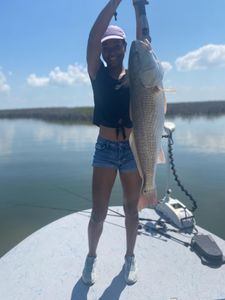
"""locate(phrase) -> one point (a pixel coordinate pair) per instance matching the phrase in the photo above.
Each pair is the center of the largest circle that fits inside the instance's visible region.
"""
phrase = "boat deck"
(48, 264)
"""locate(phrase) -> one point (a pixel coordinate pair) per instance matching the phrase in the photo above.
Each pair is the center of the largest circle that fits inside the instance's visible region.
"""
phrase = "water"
(45, 173)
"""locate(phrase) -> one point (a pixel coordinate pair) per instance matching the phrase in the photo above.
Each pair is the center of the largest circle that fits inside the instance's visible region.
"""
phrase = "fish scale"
(147, 112)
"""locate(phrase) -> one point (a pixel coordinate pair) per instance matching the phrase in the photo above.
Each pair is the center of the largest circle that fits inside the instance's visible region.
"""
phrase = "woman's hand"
(135, 2)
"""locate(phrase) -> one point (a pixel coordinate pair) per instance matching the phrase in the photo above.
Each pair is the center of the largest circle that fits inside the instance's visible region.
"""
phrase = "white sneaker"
(89, 271)
(130, 270)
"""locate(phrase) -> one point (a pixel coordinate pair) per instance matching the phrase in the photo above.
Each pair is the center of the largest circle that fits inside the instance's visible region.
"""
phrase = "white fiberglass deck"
(48, 264)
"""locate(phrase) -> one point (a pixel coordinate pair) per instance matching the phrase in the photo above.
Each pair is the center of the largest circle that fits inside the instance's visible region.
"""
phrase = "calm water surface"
(45, 173)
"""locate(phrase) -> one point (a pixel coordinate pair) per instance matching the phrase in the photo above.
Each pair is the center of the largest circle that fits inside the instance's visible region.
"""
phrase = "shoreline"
(84, 114)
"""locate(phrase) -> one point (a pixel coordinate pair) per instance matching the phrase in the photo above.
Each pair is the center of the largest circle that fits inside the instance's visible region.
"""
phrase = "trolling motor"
(170, 209)
(175, 212)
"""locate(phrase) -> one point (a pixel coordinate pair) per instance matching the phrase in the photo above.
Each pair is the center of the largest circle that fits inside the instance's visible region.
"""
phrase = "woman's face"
(113, 51)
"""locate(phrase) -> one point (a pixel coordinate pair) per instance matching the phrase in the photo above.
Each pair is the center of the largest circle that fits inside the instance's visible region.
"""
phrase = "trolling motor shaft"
(169, 208)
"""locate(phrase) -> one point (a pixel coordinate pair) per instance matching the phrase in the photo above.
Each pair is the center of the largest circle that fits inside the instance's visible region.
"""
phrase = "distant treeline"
(195, 109)
(84, 114)
(54, 114)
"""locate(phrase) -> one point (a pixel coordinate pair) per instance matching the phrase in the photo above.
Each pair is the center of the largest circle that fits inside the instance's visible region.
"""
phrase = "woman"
(112, 152)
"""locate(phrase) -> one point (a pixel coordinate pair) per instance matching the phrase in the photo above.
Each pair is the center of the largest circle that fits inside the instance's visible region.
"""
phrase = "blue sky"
(43, 49)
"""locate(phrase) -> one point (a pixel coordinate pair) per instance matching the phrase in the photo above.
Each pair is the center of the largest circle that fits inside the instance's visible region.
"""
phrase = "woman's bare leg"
(131, 183)
(102, 183)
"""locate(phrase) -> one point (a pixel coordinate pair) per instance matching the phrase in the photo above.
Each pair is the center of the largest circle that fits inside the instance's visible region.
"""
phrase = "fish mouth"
(138, 49)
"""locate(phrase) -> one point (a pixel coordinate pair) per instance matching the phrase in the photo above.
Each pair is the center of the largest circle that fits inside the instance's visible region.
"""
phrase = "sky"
(43, 49)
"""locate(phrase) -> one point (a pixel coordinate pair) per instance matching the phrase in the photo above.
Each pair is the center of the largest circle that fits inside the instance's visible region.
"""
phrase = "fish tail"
(148, 200)
(161, 157)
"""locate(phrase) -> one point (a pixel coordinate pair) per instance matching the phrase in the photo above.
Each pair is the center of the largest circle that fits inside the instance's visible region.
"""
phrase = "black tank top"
(111, 99)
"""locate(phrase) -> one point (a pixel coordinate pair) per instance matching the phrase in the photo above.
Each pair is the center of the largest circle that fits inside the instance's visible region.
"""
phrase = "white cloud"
(4, 86)
(75, 74)
(202, 58)
(33, 80)
(166, 66)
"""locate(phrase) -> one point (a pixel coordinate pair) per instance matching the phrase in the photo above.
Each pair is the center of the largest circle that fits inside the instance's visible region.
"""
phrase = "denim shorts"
(114, 154)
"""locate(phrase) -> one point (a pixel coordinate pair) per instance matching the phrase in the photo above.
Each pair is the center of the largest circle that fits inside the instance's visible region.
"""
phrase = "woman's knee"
(98, 217)
(130, 209)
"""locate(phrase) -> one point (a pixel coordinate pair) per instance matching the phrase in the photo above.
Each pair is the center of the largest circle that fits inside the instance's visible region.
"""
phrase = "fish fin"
(161, 157)
(168, 90)
(148, 201)
(134, 150)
